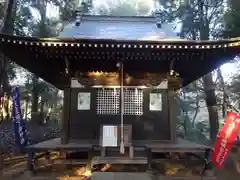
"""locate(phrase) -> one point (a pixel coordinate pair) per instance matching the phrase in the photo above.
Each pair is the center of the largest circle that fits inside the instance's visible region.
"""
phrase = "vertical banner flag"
(19, 125)
(227, 135)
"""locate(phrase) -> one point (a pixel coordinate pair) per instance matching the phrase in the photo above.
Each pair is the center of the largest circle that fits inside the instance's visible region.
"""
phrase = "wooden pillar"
(66, 116)
(170, 115)
(30, 161)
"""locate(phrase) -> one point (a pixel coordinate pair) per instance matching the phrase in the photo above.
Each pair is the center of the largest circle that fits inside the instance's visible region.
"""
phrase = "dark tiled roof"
(120, 28)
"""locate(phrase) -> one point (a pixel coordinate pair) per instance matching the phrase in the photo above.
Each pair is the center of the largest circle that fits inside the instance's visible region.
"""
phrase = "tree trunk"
(208, 84)
(41, 107)
(209, 90)
(42, 112)
(8, 25)
(2, 73)
(225, 96)
(55, 101)
(34, 94)
(41, 5)
(43, 12)
(26, 108)
(7, 28)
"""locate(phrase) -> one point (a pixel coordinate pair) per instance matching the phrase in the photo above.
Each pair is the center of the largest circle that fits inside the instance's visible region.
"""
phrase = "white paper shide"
(155, 103)
(84, 101)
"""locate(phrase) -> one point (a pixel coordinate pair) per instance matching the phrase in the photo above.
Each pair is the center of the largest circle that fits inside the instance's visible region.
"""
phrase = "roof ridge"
(118, 18)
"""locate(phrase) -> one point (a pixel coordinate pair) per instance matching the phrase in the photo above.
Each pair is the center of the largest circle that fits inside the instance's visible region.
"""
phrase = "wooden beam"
(170, 98)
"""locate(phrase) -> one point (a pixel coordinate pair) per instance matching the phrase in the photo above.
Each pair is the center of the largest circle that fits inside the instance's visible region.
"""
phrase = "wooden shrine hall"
(118, 79)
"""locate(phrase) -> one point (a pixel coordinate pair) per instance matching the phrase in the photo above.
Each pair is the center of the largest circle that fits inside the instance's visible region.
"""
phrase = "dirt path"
(17, 171)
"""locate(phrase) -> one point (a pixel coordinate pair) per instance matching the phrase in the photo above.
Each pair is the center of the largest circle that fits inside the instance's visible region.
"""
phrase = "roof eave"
(38, 55)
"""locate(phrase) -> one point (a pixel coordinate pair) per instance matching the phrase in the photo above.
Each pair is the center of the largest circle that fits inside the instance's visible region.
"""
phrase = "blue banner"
(19, 125)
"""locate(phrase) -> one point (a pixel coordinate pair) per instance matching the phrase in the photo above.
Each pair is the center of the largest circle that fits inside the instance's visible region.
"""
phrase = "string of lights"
(101, 43)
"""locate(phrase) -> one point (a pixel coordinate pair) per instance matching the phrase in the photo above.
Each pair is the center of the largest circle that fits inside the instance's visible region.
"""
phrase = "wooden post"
(131, 152)
(171, 120)
(66, 84)
(66, 113)
(48, 158)
(103, 152)
(1, 163)
(30, 162)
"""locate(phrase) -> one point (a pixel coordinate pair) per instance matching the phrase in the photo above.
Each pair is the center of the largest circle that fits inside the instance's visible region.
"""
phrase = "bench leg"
(149, 158)
(48, 158)
(62, 156)
(208, 171)
(208, 160)
(90, 162)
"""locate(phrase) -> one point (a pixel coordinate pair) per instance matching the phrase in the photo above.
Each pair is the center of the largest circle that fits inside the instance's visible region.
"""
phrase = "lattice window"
(108, 101)
(133, 101)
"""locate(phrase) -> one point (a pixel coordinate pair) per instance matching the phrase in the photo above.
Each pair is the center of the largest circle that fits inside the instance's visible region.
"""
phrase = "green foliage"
(232, 19)
(188, 123)
(234, 88)
(11, 71)
(124, 8)
(199, 20)
(194, 15)
(26, 24)
(68, 7)
(2, 8)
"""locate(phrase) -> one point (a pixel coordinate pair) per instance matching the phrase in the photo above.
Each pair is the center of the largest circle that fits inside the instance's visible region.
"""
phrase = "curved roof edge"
(179, 43)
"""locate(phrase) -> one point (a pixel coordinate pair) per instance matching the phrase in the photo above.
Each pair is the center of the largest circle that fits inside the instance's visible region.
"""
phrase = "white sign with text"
(110, 138)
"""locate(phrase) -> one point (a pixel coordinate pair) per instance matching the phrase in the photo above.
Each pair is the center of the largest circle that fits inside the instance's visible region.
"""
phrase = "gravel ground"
(68, 174)
(37, 133)
(18, 172)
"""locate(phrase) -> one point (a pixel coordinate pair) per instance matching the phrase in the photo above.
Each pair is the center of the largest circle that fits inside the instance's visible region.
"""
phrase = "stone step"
(120, 176)
(119, 160)
(141, 176)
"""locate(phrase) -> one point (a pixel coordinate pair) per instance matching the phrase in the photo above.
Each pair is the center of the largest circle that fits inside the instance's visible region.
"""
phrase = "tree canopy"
(232, 16)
